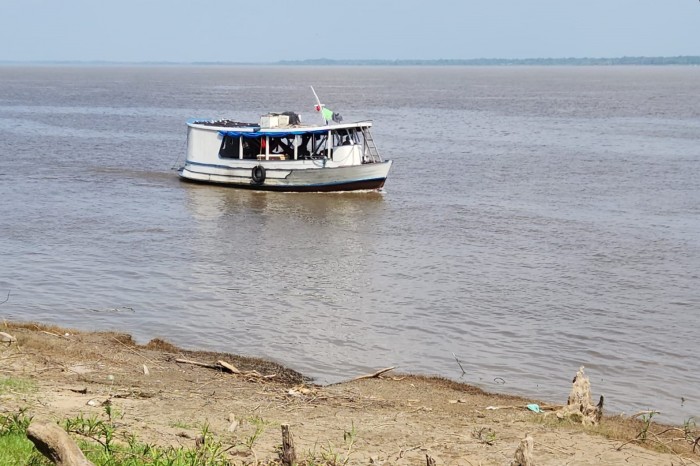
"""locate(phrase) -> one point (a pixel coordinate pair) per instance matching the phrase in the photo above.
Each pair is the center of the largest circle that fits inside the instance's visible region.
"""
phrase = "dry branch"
(226, 367)
(375, 375)
(201, 364)
(230, 367)
(459, 364)
(54, 334)
(645, 413)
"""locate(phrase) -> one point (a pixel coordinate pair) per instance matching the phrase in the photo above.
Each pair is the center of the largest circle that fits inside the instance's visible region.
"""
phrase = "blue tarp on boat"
(258, 134)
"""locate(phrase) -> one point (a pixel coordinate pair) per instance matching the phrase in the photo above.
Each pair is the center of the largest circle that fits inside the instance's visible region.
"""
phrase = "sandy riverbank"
(397, 419)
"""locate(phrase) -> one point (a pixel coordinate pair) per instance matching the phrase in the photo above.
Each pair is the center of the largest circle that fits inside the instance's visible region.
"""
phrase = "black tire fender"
(258, 174)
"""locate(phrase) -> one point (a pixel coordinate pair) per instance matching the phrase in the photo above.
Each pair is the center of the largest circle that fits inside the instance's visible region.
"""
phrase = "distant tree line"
(680, 60)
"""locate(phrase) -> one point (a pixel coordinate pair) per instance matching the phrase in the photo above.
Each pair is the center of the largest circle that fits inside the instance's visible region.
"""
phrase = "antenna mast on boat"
(319, 106)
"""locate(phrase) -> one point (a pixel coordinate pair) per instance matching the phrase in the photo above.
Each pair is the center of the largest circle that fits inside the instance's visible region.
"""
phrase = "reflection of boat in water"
(345, 209)
(281, 154)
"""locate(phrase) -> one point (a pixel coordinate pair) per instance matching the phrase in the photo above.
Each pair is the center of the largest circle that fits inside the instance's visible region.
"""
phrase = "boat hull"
(279, 176)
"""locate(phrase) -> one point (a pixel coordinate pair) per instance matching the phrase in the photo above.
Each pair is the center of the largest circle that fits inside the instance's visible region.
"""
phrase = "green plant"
(690, 429)
(646, 423)
(485, 435)
(15, 423)
(93, 428)
(259, 425)
(207, 452)
(332, 457)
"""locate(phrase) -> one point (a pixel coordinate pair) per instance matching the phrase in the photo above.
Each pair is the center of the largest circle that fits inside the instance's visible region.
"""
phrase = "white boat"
(280, 154)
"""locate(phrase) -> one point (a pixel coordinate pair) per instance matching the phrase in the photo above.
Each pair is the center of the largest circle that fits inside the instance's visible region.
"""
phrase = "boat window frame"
(250, 148)
(319, 145)
(349, 133)
(281, 145)
(224, 148)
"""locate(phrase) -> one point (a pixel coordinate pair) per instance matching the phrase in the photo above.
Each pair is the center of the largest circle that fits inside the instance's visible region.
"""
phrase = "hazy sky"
(271, 30)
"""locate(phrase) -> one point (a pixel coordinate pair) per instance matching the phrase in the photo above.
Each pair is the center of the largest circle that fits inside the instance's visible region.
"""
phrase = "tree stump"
(523, 454)
(288, 456)
(579, 406)
(55, 444)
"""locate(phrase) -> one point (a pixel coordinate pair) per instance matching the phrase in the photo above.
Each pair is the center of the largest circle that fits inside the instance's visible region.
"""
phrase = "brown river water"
(535, 220)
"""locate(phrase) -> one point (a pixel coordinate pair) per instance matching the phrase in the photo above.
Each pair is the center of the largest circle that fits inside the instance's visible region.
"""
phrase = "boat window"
(319, 145)
(310, 146)
(229, 147)
(303, 150)
(344, 137)
(359, 137)
(282, 145)
(251, 148)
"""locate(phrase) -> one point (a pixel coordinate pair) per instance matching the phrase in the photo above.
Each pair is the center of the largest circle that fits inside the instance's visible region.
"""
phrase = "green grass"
(15, 385)
(105, 445)
(17, 449)
(139, 454)
(181, 425)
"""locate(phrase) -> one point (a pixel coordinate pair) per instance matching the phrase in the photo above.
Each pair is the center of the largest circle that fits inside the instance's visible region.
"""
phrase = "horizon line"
(641, 59)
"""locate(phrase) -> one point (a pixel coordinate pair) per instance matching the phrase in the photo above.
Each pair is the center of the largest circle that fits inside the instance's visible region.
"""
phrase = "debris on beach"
(7, 339)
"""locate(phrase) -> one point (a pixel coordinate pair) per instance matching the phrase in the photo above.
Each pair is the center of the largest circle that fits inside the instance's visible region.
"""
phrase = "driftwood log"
(523, 454)
(55, 444)
(579, 406)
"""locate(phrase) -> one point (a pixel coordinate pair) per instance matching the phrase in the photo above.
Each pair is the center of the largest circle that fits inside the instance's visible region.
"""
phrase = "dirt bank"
(394, 419)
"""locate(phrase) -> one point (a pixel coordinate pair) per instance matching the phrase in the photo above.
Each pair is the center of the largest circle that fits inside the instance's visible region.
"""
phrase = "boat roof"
(226, 125)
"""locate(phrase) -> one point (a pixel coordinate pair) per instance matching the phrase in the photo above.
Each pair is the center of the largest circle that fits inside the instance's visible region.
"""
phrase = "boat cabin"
(281, 137)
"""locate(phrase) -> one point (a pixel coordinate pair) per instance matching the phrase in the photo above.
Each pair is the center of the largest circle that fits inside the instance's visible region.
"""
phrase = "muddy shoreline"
(396, 418)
